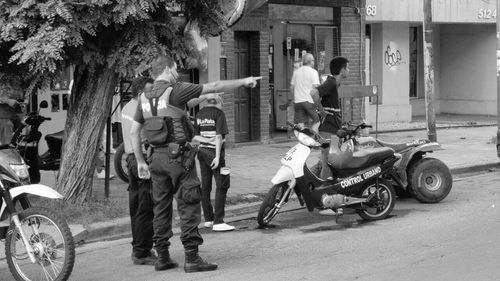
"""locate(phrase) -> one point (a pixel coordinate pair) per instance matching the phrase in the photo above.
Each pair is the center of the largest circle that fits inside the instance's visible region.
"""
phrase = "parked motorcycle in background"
(38, 242)
(26, 140)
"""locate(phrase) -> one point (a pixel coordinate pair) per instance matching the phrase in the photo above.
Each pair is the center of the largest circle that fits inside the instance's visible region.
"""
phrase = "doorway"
(296, 39)
(242, 98)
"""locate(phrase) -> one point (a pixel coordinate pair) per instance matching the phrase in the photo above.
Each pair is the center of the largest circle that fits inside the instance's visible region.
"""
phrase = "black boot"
(194, 263)
(164, 262)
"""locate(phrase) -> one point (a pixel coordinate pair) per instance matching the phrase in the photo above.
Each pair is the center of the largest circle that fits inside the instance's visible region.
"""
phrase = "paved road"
(457, 239)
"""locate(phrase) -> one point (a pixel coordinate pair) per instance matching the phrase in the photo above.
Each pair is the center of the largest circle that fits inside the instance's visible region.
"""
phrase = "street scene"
(249, 140)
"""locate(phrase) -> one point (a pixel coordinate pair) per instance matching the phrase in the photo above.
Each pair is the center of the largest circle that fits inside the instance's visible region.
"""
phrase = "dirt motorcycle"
(38, 242)
(26, 139)
(426, 179)
(358, 182)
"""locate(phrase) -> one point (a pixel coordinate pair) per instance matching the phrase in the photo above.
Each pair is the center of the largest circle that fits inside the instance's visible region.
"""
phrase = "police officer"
(172, 170)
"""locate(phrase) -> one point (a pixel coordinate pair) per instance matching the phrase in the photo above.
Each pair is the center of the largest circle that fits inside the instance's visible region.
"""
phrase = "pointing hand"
(251, 82)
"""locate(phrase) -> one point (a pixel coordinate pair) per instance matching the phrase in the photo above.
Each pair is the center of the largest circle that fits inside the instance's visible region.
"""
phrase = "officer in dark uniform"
(172, 170)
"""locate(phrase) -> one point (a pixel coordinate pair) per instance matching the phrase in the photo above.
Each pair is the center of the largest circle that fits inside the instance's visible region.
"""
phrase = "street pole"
(429, 72)
(498, 79)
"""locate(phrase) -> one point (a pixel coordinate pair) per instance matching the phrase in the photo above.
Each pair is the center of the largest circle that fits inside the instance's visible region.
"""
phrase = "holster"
(189, 155)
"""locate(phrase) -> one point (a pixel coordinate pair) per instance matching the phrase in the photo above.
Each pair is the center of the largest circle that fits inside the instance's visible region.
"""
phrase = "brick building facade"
(246, 50)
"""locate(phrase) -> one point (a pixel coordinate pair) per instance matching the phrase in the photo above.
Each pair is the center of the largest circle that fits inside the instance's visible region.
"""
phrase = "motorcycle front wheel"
(52, 242)
(274, 200)
(382, 199)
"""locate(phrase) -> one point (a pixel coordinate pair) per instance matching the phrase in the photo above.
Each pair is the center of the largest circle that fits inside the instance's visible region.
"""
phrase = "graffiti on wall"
(393, 58)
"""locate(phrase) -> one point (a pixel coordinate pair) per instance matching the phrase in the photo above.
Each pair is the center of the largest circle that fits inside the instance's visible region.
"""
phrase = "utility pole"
(429, 72)
(498, 77)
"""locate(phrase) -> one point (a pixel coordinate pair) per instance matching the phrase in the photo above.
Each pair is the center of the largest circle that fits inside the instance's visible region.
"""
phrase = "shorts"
(305, 111)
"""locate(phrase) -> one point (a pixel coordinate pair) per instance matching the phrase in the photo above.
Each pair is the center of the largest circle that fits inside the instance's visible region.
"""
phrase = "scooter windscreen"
(306, 139)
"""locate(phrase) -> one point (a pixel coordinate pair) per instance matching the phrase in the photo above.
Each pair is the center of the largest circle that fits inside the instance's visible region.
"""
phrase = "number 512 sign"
(486, 14)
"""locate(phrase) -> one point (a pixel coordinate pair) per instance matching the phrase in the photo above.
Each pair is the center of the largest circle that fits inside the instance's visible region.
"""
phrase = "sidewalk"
(468, 143)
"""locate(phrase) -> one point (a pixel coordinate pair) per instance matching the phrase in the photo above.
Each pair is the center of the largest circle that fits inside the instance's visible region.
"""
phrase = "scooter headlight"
(306, 140)
(21, 170)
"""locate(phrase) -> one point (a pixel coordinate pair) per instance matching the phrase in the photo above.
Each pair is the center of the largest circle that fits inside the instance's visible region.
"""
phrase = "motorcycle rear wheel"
(50, 237)
(120, 162)
(380, 207)
(269, 207)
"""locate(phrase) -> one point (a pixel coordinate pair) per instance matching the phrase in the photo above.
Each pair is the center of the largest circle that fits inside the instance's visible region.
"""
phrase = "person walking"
(304, 80)
(139, 190)
(168, 130)
(210, 130)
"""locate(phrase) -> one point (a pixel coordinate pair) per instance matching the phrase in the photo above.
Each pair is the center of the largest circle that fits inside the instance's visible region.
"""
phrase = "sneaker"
(199, 265)
(327, 212)
(222, 227)
(208, 224)
(147, 260)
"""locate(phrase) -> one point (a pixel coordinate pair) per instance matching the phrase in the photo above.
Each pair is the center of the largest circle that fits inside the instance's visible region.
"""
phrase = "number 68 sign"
(371, 10)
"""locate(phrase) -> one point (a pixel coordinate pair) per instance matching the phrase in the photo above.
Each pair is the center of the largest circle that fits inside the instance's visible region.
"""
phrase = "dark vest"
(160, 117)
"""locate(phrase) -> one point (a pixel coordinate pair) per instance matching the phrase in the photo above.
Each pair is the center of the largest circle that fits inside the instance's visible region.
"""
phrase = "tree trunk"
(89, 106)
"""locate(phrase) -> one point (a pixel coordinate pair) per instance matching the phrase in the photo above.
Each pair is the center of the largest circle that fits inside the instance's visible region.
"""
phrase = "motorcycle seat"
(395, 146)
(363, 158)
(58, 136)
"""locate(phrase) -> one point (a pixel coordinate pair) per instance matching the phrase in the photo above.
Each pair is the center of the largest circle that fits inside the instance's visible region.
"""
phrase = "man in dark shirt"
(168, 172)
(332, 118)
(210, 129)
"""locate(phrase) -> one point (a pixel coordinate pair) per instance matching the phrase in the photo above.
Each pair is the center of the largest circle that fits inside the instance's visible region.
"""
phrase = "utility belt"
(184, 153)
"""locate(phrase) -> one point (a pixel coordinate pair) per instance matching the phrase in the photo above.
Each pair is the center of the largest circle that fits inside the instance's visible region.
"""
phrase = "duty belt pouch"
(155, 130)
(173, 150)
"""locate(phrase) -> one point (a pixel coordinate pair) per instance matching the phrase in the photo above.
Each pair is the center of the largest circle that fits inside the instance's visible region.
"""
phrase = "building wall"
(468, 69)
(352, 46)
(464, 54)
(390, 71)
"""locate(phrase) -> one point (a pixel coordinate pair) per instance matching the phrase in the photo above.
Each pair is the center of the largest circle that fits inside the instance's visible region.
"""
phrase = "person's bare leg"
(315, 127)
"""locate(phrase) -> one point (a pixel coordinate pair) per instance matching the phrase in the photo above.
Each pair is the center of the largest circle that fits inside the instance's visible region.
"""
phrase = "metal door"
(242, 101)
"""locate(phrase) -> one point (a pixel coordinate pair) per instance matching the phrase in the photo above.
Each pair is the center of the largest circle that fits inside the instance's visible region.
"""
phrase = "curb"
(120, 228)
(285, 139)
(437, 128)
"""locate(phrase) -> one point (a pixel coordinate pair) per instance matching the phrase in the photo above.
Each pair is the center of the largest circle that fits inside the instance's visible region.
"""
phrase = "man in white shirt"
(140, 199)
(304, 79)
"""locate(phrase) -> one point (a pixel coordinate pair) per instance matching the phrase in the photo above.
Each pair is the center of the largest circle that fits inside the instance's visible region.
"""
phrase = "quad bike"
(416, 175)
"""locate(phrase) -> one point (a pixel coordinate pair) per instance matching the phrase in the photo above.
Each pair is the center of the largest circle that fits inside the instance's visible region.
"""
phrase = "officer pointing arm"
(169, 74)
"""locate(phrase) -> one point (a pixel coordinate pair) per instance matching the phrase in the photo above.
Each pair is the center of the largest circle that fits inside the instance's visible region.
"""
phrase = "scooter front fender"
(284, 174)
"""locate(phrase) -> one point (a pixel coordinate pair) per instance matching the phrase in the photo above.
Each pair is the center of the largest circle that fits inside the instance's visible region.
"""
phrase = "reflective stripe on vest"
(162, 106)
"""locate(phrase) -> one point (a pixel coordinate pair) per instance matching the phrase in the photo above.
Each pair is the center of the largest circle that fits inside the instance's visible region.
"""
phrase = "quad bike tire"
(120, 163)
(429, 180)
(373, 210)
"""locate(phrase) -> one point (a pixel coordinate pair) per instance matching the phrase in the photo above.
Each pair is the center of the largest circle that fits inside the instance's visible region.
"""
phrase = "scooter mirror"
(44, 104)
